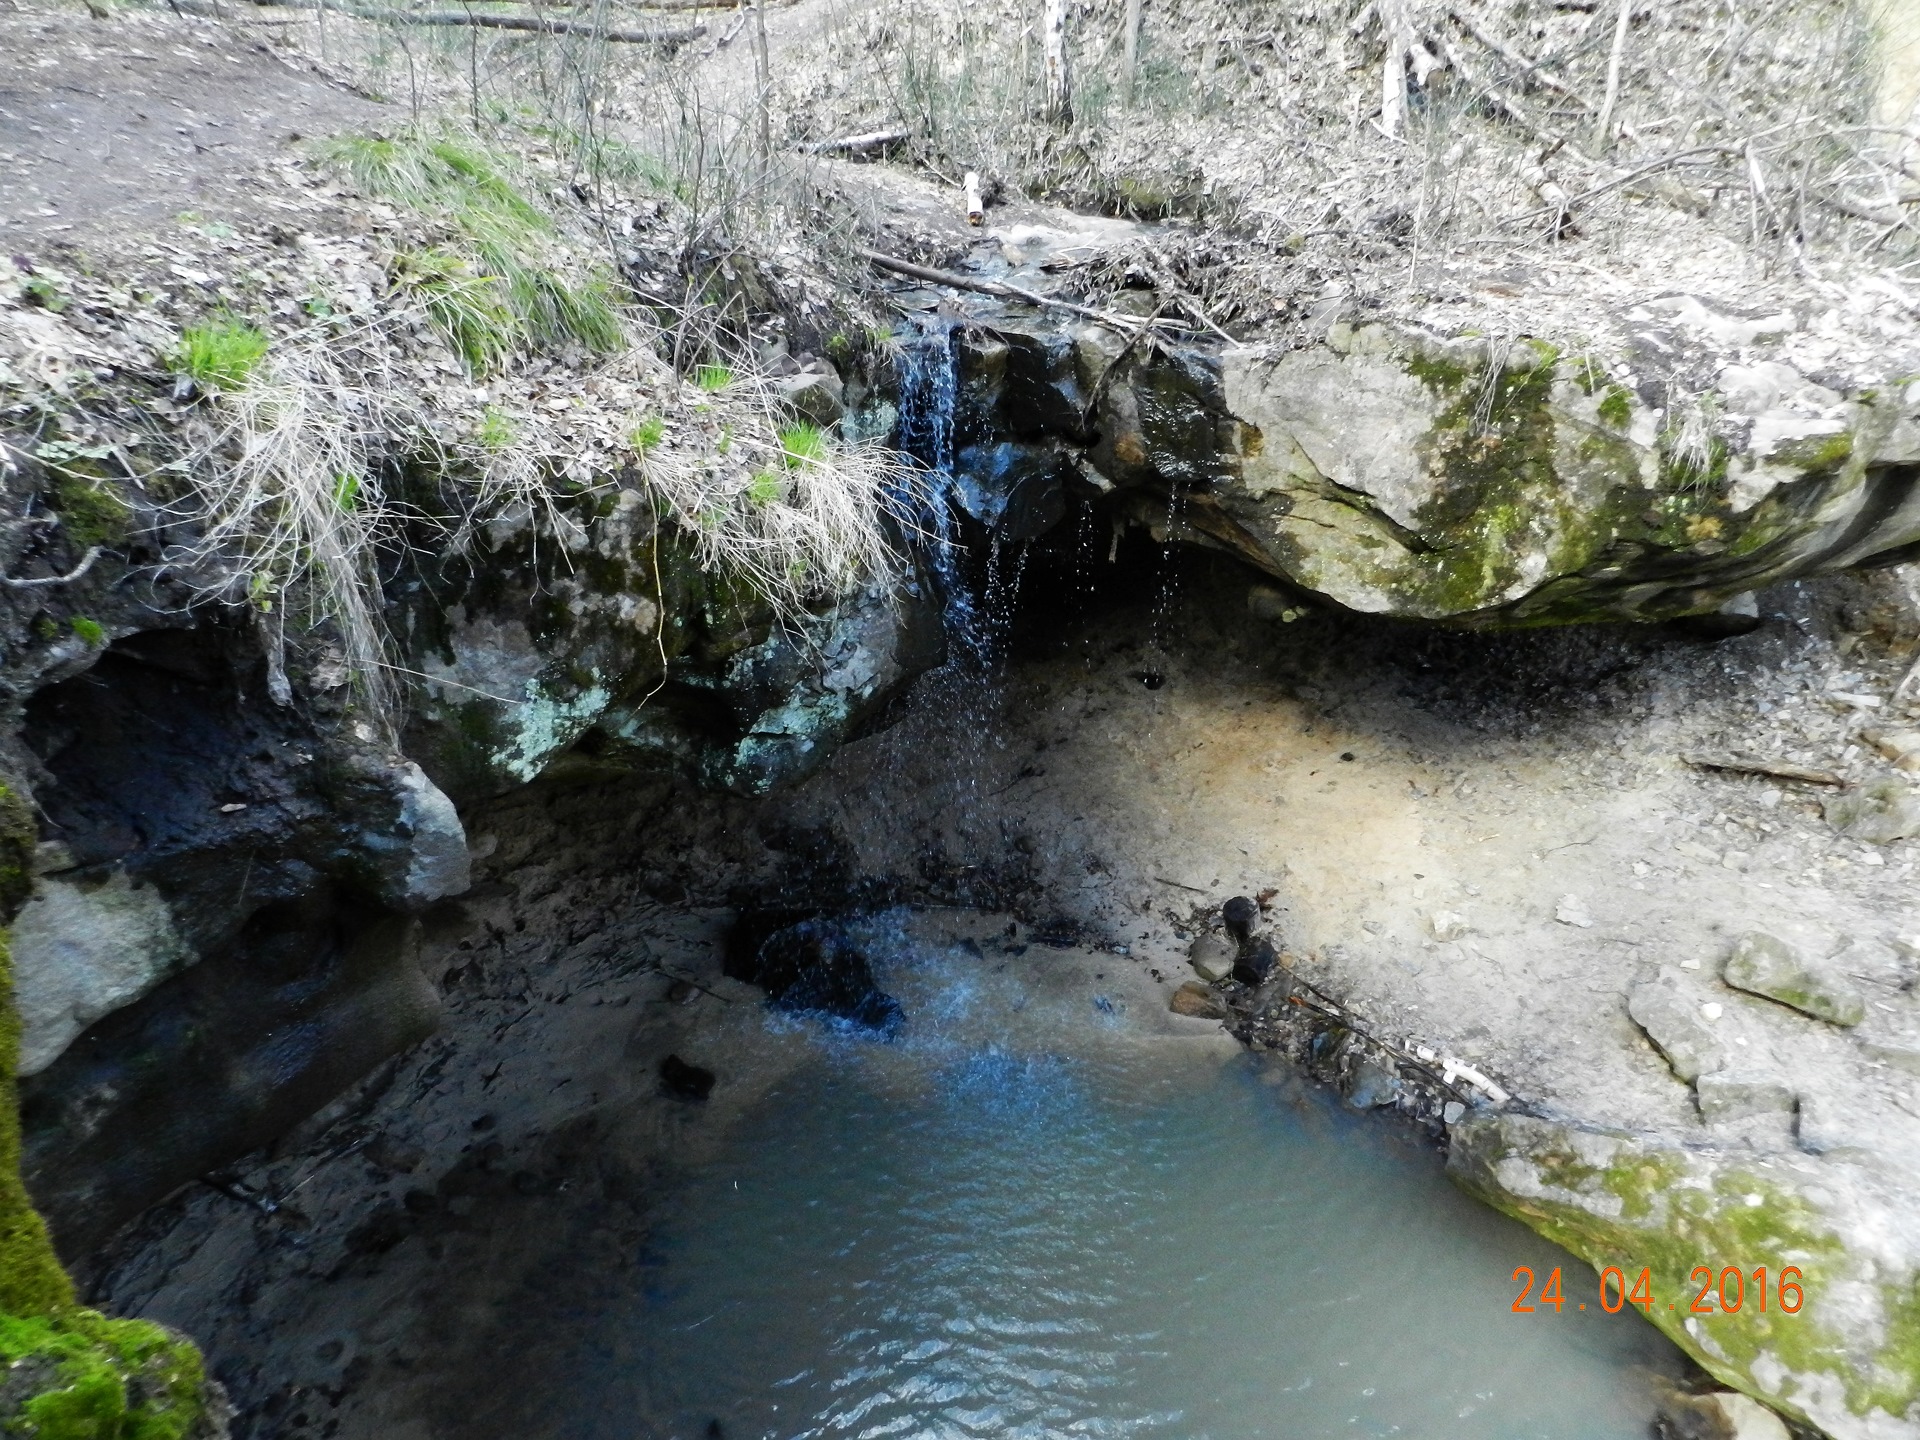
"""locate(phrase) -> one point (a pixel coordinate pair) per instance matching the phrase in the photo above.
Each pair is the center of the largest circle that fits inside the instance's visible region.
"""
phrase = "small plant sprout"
(725, 442)
(647, 434)
(802, 444)
(712, 378)
(346, 491)
(766, 488)
(497, 432)
(220, 354)
(39, 290)
(91, 632)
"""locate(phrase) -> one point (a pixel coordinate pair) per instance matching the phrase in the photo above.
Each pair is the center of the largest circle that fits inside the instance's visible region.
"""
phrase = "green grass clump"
(38, 290)
(467, 308)
(647, 434)
(712, 378)
(91, 631)
(765, 488)
(507, 238)
(221, 353)
(802, 444)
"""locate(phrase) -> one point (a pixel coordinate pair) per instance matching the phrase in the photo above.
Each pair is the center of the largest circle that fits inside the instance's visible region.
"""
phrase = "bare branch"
(86, 564)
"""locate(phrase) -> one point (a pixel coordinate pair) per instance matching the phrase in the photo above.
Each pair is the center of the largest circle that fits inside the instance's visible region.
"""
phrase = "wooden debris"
(1603, 128)
(1536, 178)
(1778, 769)
(856, 144)
(1125, 324)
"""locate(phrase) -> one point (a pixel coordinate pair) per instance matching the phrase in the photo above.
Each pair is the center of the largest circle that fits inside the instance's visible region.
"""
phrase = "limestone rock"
(1880, 812)
(1719, 1415)
(217, 1060)
(1671, 1017)
(421, 855)
(1893, 1039)
(1199, 1000)
(1902, 747)
(1211, 957)
(1845, 1362)
(1765, 965)
(1728, 1095)
(1371, 1086)
(815, 393)
(83, 947)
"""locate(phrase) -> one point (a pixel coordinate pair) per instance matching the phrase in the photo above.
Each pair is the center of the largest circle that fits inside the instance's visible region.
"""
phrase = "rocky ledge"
(1391, 469)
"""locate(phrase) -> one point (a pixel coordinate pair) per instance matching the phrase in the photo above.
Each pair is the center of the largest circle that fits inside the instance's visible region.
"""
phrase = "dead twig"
(1126, 324)
(86, 564)
(1778, 769)
(1517, 60)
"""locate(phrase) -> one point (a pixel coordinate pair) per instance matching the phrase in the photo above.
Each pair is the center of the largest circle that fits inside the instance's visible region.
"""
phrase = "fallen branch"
(1126, 324)
(528, 24)
(1535, 177)
(1518, 61)
(1778, 769)
(856, 144)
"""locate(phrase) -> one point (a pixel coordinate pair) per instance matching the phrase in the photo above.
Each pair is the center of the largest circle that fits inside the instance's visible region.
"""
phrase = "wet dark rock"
(1255, 963)
(815, 965)
(685, 1081)
(217, 1061)
(1241, 914)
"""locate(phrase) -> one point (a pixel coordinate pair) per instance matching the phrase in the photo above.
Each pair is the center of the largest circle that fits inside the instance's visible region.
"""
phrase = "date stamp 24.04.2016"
(1725, 1291)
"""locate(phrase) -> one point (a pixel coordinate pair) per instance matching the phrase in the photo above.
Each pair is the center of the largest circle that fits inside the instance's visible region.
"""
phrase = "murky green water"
(1022, 1219)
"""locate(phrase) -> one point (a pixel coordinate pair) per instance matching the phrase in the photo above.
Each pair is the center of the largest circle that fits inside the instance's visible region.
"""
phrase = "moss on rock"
(66, 1372)
(1846, 1360)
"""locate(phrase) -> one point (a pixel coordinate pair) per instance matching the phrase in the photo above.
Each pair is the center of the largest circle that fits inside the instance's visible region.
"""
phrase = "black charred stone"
(684, 1080)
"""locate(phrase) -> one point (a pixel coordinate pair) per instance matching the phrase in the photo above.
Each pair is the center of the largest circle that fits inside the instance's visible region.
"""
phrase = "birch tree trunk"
(1398, 31)
(1054, 64)
(1130, 63)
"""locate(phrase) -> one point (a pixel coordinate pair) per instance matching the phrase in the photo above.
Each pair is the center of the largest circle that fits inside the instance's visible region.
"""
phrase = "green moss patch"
(1614, 1201)
(66, 1372)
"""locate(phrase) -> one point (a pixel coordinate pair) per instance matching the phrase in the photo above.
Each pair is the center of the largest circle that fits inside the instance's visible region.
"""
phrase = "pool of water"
(1025, 1217)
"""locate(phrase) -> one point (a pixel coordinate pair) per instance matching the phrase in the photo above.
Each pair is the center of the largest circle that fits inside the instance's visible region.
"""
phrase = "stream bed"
(1041, 1210)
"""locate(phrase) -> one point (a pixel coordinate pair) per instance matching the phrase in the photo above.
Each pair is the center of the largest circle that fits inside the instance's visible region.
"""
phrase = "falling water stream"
(1034, 1213)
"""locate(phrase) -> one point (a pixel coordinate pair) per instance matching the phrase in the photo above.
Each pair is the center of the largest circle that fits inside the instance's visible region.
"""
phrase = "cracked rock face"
(1765, 965)
(1466, 478)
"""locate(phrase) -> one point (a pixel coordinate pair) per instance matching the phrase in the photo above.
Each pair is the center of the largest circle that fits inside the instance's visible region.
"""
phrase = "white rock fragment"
(1572, 910)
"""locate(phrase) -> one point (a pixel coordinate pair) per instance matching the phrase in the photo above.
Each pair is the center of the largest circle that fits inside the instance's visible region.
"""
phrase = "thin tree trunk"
(1603, 130)
(763, 85)
(1130, 65)
(1054, 63)
(1393, 75)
